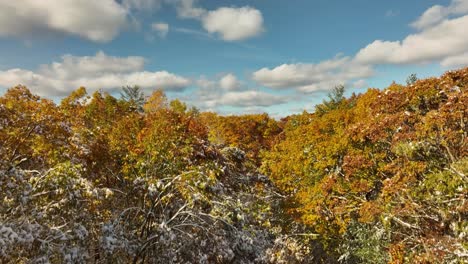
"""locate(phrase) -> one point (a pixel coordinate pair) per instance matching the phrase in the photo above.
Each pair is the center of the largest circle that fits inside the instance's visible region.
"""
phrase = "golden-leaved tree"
(97, 179)
(382, 175)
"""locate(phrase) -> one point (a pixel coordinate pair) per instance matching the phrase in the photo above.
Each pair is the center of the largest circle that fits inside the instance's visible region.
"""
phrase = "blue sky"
(253, 56)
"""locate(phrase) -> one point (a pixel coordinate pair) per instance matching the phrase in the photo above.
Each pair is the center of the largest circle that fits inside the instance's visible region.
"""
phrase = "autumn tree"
(251, 133)
(380, 177)
(363, 167)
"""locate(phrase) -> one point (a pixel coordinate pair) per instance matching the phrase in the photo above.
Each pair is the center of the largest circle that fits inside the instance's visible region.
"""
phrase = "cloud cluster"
(455, 61)
(101, 21)
(209, 88)
(441, 37)
(227, 90)
(94, 72)
(309, 77)
(234, 23)
(437, 13)
(187, 9)
(98, 21)
(243, 99)
(230, 23)
(250, 98)
(229, 82)
(446, 39)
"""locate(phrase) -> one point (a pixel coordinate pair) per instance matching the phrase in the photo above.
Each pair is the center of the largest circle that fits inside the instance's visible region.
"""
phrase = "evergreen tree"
(134, 95)
(335, 97)
(412, 78)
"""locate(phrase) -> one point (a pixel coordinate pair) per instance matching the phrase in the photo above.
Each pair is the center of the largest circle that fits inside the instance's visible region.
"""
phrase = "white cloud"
(186, 9)
(72, 67)
(437, 13)
(432, 16)
(229, 82)
(98, 21)
(94, 72)
(321, 86)
(456, 61)
(446, 39)
(234, 23)
(102, 21)
(360, 84)
(230, 23)
(161, 28)
(205, 83)
(250, 98)
(442, 38)
(378, 51)
(227, 90)
(312, 77)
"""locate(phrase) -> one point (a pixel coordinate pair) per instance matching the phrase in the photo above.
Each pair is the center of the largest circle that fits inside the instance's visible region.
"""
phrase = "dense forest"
(378, 177)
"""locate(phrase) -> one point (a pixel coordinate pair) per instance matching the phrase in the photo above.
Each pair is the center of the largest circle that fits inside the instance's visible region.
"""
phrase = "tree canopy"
(379, 177)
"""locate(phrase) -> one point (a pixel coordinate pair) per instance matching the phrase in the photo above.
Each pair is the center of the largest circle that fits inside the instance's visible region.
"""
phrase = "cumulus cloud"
(446, 39)
(437, 13)
(187, 9)
(360, 83)
(309, 77)
(456, 61)
(230, 23)
(432, 16)
(441, 37)
(205, 83)
(242, 99)
(227, 90)
(234, 23)
(250, 98)
(98, 21)
(229, 82)
(161, 28)
(72, 67)
(94, 72)
(101, 21)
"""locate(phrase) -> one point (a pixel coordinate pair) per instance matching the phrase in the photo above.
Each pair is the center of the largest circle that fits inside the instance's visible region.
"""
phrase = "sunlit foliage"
(392, 162)
(380, 177)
